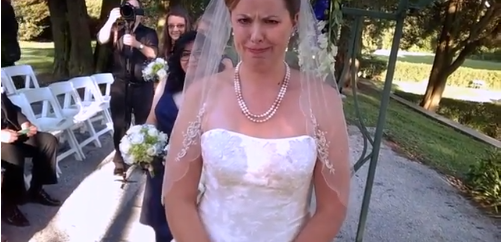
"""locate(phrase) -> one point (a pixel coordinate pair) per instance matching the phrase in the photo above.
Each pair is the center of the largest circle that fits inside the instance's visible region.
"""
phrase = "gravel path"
(410, 202)
(413, 203)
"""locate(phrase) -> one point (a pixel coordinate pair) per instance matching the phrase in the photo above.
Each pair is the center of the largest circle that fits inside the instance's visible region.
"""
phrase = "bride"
(263, 134)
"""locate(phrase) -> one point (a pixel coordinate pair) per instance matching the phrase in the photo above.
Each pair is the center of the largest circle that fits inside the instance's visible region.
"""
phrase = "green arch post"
(375, 141)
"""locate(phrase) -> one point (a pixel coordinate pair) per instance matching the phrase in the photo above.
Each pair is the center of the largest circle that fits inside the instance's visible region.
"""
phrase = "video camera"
(129, 12)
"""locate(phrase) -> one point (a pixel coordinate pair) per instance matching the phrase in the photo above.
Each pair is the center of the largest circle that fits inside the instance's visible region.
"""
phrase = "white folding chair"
(104, 79)
(25, 71)
(21, 101)
(53, 122)
(8, 84)
(72, 108)
(93, 100)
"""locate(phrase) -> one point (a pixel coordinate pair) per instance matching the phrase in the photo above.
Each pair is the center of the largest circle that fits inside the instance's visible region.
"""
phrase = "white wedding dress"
(257, 190)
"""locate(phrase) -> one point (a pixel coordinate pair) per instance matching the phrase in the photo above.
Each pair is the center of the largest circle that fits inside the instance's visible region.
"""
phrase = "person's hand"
(114, 15)
(162, 75)
(9, 135)
(130, 40)
(32, 130)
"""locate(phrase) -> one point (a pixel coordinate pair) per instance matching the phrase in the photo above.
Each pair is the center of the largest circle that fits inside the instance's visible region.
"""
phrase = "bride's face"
(262, 29)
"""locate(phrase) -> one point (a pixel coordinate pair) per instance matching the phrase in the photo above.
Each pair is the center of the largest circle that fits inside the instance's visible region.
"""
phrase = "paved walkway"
(410, 203)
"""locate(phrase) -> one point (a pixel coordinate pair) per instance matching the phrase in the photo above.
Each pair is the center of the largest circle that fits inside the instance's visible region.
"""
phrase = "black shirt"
(148, 37)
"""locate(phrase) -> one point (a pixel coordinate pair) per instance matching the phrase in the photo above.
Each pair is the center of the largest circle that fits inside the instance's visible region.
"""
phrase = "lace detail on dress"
(193, 131)
(256, 189)
(322, 144)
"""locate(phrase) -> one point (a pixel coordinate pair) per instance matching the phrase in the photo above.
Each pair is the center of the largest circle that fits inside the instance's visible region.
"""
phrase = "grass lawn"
(39, 55)
(417, 136)
(428, 59)
(463, 93)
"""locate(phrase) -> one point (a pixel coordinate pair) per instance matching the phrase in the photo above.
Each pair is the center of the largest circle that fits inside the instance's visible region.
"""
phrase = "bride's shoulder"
(212, 82)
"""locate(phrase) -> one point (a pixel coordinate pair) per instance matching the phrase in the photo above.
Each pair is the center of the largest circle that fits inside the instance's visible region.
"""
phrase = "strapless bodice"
(256, 189)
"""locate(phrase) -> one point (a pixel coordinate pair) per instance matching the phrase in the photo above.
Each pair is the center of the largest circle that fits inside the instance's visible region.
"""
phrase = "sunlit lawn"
(40, 55)
(37, 54)
(428, 59)
(460, 93)
(431, 142)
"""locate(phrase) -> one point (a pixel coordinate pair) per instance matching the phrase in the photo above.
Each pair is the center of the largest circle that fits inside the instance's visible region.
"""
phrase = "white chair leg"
(109, 121)
(92, 133)
(103, 118)
(72, 140)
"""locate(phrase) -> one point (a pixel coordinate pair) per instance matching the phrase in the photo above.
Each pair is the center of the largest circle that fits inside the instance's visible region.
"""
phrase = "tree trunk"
(354, 65)
(435, 88)
(342, 53)
(60, 33)
(81, 58)
(103, 53)
(443, 59)
(438, 76)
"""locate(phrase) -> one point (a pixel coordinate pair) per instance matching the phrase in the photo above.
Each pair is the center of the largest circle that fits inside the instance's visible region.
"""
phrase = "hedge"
(413, 72)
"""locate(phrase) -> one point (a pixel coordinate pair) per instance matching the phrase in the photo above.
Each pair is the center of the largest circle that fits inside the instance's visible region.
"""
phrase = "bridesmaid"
(163, 115)
(177, 22)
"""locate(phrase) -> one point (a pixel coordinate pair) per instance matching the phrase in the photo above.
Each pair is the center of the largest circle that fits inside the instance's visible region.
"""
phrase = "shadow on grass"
(418, 136)
(483, 117)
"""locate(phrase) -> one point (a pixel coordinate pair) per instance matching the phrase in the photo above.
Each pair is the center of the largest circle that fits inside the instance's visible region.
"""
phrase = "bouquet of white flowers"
(142, 144)
(155, 70)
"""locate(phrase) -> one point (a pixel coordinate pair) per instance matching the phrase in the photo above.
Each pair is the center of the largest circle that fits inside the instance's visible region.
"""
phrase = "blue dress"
(152, 211)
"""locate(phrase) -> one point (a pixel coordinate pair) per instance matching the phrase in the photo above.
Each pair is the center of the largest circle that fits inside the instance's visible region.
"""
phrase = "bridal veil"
(319, 101)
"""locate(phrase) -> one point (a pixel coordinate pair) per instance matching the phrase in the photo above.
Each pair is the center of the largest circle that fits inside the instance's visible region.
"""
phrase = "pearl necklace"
(261, 118)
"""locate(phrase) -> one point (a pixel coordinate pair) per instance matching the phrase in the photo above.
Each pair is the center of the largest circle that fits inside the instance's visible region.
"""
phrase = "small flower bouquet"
(142, 144)
(155, 70)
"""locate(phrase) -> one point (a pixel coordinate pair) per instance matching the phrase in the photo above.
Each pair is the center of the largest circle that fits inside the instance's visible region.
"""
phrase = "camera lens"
(127, 11)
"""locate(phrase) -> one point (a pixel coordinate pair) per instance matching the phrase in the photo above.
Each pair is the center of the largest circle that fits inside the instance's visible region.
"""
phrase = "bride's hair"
(292, 6)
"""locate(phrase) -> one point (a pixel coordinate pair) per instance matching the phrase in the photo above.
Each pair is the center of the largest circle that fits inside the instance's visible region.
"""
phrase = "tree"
(467, 25)
(32, 16)
(72, 45)
(81, 58)
(61, 37)
(371, 29)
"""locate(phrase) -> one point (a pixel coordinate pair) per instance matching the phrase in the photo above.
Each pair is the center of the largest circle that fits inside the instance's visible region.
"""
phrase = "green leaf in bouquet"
(156, 68)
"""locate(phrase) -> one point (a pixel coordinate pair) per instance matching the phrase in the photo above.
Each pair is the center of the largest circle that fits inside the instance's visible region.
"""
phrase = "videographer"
(132, 45)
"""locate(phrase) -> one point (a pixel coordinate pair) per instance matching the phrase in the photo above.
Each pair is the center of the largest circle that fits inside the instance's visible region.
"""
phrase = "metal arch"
(375, 141)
